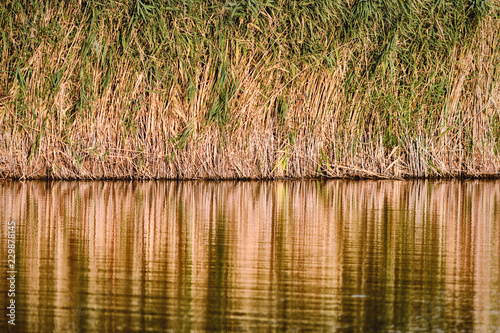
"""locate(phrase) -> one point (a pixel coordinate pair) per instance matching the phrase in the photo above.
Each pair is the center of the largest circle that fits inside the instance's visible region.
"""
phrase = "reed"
(249, 89)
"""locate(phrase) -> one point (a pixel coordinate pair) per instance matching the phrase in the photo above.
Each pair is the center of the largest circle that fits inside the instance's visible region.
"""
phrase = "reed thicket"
(249, 89)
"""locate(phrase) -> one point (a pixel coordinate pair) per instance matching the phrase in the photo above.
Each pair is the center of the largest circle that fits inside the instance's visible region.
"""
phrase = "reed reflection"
(242, 256)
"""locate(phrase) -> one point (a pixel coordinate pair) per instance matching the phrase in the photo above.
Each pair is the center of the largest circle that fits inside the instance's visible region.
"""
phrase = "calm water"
(253, 256)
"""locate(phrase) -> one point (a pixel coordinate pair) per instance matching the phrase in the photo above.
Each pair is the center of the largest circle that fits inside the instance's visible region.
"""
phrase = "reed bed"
(249, 89)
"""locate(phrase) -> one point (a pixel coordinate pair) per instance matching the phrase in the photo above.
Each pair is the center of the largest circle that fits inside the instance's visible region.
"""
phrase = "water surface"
(253, 256)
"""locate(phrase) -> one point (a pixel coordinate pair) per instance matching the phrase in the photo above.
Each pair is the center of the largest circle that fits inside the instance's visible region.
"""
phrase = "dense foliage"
(249, 89)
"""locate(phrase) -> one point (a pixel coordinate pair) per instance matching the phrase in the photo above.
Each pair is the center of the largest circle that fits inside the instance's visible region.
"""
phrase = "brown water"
(253, 256)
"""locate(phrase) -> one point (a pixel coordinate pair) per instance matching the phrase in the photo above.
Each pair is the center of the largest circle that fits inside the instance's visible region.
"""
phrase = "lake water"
(252, 256)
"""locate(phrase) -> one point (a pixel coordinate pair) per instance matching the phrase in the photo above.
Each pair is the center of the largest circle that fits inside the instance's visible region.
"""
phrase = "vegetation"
(249, 89)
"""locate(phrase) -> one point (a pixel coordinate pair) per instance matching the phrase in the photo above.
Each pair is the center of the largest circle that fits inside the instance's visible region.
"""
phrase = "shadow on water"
(247, 256)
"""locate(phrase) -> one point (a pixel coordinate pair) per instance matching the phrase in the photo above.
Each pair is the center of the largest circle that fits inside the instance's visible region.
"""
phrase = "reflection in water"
(242, 256)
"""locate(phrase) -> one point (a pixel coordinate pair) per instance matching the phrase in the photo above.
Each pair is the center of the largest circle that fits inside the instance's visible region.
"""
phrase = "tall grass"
(249, 89)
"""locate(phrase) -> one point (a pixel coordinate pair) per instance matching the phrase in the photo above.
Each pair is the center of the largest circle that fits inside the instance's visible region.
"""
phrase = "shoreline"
(488, 177)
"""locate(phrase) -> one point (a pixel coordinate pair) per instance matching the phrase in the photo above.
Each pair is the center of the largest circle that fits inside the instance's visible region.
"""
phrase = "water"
(253, 256)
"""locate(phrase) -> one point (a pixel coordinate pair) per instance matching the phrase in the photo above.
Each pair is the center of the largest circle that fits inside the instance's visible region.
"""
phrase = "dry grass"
(255, 90)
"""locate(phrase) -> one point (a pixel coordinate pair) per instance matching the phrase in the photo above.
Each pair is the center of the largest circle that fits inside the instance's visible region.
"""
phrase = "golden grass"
(89, 93)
